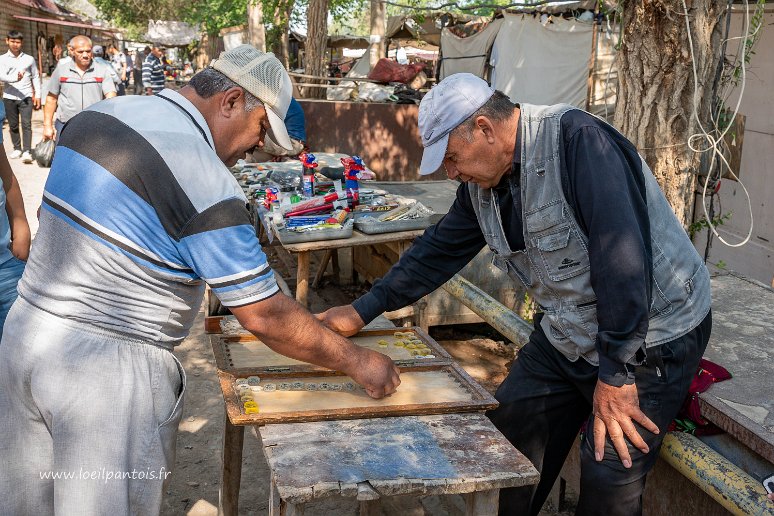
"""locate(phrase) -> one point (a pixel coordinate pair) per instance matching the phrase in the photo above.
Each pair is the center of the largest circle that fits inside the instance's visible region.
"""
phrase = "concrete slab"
(743, 342)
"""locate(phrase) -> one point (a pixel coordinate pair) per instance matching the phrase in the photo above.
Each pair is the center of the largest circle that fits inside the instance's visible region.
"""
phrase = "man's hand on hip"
(615, 410)
(344, 320)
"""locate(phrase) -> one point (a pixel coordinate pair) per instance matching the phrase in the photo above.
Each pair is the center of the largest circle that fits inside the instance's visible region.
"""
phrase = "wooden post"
(255, 31)
(233, 439)
(377, 32)
(482, 503)
(302, 278)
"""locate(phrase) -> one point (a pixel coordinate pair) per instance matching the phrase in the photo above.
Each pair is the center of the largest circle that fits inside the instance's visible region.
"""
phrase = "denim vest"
(555, 266)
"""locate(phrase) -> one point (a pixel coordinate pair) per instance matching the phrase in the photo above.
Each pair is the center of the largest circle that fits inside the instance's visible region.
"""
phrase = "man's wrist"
(615, 373)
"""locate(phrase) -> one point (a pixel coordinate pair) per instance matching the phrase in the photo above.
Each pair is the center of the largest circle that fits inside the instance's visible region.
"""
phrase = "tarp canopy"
(408, 28)
(337, 41)
(171, 33)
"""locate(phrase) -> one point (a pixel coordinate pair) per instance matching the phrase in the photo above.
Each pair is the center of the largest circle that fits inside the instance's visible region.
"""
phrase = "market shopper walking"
(574, 215)
(153, 71)
(139, 213)
(21, 94)
(74, 86)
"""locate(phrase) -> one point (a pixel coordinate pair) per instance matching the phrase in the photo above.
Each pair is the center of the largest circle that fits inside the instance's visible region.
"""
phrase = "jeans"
(545, 400)
(10, 273)
(16, 109)
(88, 418)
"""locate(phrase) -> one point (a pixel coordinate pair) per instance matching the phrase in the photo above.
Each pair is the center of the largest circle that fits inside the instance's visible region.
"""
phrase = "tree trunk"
(282, 12)
(655, 108)
(316, 39)
(378, 28)
(255, 30)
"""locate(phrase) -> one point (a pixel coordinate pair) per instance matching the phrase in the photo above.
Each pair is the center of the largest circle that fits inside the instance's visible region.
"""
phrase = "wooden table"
(304, 250)
(368, 459)
(742, 341)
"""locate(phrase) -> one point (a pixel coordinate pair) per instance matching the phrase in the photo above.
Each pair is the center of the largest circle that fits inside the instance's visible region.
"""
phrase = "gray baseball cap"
(445, 107)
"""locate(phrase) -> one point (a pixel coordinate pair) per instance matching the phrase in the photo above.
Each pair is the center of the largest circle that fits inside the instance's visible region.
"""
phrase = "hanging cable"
(713, 143)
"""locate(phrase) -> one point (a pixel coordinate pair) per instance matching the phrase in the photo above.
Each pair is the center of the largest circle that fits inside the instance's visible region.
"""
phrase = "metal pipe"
(499, 316)
(726, 483)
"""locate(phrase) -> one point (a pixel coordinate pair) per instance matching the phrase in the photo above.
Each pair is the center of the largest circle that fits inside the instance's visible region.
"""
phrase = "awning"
(171, 33)
(66, 23)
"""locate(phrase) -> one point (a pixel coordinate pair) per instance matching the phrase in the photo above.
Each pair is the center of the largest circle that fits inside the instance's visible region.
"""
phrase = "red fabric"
(707, 374)
(387, 70)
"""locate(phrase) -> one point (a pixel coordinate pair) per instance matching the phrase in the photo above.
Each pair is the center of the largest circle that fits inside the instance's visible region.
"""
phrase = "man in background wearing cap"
(99, 57)
(75, 85)
(573, 214)
(88, 382)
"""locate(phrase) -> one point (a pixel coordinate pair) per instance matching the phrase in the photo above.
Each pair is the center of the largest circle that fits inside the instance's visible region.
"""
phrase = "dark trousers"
(545, 400)
(15, 110)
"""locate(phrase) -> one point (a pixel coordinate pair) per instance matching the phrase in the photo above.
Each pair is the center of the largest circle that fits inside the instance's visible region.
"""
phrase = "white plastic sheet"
(542, 63)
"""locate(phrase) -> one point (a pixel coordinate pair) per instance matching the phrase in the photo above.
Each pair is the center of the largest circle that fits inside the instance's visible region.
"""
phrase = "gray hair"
(498, 109)
(209, 81)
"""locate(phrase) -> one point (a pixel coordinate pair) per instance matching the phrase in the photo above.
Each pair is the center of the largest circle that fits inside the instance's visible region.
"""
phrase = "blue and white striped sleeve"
(221, 247)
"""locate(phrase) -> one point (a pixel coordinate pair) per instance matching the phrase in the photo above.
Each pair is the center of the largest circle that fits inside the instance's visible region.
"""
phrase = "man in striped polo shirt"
(153, 72)
(129, 235)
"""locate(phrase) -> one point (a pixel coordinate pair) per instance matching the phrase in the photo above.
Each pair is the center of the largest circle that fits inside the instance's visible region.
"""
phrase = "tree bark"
(316, 39)
(255, 30)
(281, 44)
(655, 108)
(378, 29)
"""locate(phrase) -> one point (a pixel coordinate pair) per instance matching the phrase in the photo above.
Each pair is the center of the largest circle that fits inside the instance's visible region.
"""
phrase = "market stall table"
(304, 250)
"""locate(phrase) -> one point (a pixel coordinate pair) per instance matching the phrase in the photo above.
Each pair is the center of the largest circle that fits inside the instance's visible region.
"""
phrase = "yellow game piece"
(383, 343)
(251, 410)
(249, 404)
(246, 397)
(399, 343)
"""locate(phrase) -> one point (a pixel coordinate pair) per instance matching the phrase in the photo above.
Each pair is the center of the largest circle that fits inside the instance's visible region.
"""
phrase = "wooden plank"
(321, 269)
(356, 239)
(233, 441)
(416, 455)
(245, 355)
(424, 390)
(302, 278)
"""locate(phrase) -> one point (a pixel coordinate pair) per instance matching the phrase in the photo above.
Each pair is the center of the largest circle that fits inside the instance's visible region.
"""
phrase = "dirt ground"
(193, 486)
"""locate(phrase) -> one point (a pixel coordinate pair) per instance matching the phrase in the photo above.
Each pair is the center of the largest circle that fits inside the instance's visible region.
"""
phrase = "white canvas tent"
(171, 33)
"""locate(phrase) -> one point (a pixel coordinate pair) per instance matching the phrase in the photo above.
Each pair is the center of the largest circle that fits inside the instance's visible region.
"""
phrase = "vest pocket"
(564, 255)
(663, 276)
(511, 269)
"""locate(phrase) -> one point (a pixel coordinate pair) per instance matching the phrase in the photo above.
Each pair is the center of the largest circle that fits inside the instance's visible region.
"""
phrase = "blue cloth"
(10, 273)
(295, 122)
(5, 229)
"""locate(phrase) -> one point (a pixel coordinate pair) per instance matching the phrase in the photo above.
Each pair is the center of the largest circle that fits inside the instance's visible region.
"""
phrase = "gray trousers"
(88, 418)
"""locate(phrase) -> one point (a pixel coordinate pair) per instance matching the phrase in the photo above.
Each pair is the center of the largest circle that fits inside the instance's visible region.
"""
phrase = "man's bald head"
(80, 39)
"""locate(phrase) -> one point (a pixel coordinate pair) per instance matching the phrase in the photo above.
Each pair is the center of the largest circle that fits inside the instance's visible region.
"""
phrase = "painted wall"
(756, 259)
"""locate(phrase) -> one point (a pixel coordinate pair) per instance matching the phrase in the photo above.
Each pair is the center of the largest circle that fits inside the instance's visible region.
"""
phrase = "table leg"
(233, 439)
(482, 503)
(323, 265)
(302, 278)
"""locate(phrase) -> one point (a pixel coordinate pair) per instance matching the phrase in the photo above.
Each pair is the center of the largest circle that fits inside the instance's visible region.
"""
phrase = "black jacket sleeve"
(608, 189)
(434, 257)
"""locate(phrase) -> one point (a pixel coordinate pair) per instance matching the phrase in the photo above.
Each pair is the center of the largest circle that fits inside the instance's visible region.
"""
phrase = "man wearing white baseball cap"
(573, 215)
(90, 392)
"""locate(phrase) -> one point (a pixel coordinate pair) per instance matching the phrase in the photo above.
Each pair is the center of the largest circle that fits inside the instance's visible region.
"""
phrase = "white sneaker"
(26, 157)
(15, 154)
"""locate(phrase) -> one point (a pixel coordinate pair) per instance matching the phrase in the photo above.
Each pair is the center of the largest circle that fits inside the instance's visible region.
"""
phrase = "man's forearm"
(49, 110)
(283, 325)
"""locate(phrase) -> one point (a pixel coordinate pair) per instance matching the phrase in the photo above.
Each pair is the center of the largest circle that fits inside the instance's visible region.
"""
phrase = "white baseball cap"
(264, 76)
(446, 106)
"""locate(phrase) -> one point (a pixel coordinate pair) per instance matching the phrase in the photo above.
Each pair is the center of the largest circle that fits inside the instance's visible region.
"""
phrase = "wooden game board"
(245, 354)
(423, 390)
